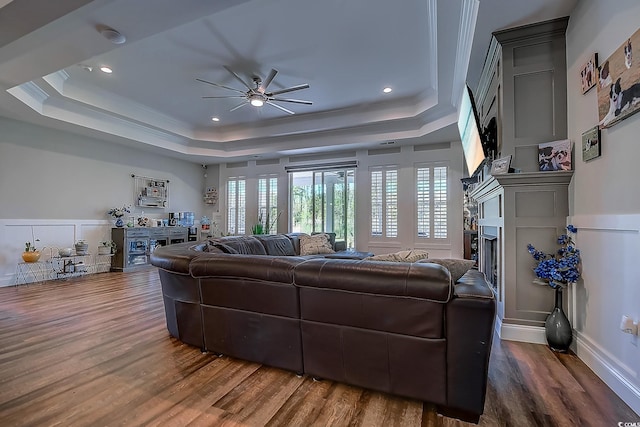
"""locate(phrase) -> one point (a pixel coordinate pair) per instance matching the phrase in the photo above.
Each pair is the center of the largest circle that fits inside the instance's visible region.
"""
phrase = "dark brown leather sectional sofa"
(400, 328)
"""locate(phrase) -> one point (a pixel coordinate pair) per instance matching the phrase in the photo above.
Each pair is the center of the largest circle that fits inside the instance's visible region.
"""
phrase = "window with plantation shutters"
(431, 202)
(440, 197)
(423, 202)
(384, 202)
(236, 205)
(268, 203)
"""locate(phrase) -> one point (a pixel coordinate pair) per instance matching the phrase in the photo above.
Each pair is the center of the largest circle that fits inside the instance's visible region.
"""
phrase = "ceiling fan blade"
(269, 79)
(297, 101)
(223, 97)
(238, 106)
(237, 77)
(280, 107)
(219, 85)
(289, 89)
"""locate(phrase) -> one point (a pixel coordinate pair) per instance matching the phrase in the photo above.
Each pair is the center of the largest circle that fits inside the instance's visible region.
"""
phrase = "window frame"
(236, 220)
(438, 205)
(386, 210)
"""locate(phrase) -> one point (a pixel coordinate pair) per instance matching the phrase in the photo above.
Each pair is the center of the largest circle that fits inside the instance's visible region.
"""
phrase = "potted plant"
(106, 247)
(30, 254)
(81, 247)
(118, 213)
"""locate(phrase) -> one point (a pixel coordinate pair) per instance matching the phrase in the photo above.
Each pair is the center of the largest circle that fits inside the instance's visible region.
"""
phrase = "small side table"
(37, 271)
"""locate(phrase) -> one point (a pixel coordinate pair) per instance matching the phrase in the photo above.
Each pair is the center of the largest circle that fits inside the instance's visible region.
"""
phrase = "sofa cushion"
(295, 241)
(316, 244)
(215, 246)
(247, 245)
(411, 255)
(456, 267)
(276, 244)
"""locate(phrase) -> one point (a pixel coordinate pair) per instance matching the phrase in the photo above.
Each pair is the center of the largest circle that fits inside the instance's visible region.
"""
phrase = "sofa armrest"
(473, 285)
(470, 323)
(176, 257)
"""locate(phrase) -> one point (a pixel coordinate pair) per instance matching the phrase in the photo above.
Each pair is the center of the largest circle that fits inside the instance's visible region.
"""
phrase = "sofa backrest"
(401, 298)
(262, 284)
(247, 245)
(277, 244)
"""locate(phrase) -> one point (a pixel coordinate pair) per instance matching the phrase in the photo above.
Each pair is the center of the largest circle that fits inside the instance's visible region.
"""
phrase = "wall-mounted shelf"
(211, 196)
(151, 192)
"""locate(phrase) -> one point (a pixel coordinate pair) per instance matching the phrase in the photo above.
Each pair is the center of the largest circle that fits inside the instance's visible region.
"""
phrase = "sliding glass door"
(323, 201)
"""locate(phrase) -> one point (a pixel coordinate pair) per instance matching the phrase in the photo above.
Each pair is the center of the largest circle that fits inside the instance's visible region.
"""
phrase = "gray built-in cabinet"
(523, 86)
(135, 244)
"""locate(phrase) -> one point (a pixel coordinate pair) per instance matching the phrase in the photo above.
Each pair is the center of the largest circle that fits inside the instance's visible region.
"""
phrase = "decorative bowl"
(65, 251)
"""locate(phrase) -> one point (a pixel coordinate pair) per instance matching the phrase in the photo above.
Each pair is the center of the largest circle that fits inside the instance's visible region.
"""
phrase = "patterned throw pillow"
(412, 255)
(316, 244)
(456, 267)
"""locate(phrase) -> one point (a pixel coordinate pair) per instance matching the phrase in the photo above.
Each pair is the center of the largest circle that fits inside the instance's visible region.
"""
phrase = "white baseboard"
(593, 356)
(530, 334)
(590, 353)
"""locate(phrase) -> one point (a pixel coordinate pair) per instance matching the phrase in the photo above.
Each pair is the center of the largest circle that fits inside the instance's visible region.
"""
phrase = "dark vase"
(557, 327)
(119, 222)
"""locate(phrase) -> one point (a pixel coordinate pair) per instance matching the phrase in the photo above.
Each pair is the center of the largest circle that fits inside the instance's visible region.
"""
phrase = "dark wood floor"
(94, 351)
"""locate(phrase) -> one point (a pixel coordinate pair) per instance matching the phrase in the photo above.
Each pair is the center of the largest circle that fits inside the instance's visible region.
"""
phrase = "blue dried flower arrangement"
(561, 268)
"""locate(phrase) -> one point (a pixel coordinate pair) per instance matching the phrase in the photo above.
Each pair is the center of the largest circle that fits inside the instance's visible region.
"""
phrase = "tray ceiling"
(347, 51)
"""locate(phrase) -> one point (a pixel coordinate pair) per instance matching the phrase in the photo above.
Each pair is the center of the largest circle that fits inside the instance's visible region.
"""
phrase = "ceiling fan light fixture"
(387, 89)
(256, 101)
(106, 69)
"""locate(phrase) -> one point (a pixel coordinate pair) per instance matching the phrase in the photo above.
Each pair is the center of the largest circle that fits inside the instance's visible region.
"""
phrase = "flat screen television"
(469, 127)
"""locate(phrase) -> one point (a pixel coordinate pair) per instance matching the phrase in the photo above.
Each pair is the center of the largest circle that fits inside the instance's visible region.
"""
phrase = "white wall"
(605, 206)
(63, 184)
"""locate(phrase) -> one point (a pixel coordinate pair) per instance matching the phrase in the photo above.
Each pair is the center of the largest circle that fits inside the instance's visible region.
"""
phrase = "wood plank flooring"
(94, 351)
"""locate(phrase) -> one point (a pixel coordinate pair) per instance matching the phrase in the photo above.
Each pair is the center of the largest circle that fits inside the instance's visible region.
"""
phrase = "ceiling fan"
(258, 95)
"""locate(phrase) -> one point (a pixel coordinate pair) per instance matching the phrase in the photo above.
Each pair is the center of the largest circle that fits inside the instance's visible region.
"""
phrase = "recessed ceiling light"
(112, 35)
(387, 89)
(215, 119)
(106, 69)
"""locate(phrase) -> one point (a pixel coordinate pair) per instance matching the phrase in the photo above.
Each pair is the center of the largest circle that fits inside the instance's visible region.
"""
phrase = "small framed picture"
(591, 144)
(589, 73)
(501, 165)
(555, 156)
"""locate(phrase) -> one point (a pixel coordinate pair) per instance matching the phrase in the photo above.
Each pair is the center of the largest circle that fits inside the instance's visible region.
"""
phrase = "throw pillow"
(412, 255)
(456, 267)
(316, 244)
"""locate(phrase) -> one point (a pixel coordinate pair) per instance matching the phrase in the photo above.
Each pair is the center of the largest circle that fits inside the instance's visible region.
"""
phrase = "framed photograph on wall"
(555, 156)
(501, 165)
(589, 73)
(591, 144)
(619, 84)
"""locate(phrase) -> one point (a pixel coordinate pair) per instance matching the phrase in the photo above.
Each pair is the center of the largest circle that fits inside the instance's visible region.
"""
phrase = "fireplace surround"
(513, 210)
